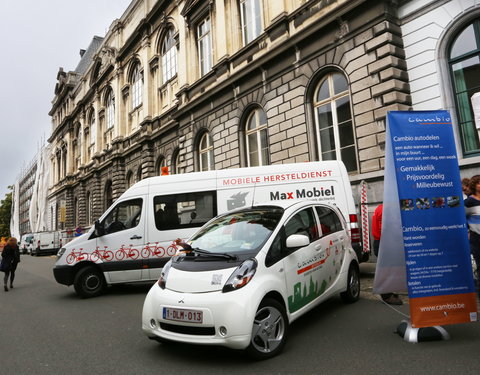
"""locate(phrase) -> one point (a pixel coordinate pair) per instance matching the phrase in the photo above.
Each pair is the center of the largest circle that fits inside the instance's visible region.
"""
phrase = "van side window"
(125, 215)
(303, 222)
(187, 210)
(329, 221)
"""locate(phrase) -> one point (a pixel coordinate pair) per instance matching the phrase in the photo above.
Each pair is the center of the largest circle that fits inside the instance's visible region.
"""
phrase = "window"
(204, 40)
(169, 56)
(256, 138)
(184, 210)
(129, 179)
(205, 153)
(108, 194)
(125, 215)
(88, 208)
(303, 222)
(251, 17)
(333, 121)
(329, 221)
(161, 163)
(137, 87)
(176, 162)
(110, 110)
(464, 62)
(93, 129)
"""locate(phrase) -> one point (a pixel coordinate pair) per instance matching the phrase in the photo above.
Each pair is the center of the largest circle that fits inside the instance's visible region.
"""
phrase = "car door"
(303, 266)
(120, 247)
(334, 238)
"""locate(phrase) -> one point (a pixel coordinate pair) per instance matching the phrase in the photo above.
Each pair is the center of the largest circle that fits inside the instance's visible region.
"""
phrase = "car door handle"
(318, 247)
(135, 237)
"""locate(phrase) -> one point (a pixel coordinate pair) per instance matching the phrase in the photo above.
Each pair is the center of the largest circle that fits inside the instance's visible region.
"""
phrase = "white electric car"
(247, 274)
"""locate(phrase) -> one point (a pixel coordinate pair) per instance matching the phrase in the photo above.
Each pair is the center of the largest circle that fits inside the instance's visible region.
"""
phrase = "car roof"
(284, 205)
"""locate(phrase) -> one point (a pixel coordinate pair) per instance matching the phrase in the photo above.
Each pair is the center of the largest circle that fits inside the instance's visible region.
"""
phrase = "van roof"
(330, 168)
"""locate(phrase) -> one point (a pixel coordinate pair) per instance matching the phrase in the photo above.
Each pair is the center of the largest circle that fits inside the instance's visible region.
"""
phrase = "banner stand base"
(414, 335)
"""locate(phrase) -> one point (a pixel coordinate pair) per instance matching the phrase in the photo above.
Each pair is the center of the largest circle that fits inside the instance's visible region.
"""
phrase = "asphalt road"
(46, 329)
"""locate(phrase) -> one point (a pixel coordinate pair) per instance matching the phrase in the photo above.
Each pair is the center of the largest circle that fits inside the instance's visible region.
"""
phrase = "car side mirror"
(99, 229)
(297, 240)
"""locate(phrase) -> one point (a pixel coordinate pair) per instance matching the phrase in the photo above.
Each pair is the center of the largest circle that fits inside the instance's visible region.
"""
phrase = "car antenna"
(253, 195)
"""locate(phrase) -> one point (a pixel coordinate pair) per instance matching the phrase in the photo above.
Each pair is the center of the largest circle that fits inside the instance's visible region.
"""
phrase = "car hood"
(198, 282)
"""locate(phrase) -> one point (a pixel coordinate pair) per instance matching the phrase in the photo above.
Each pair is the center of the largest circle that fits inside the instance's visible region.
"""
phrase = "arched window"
(110, 109)
(75, 212)
(108, 194)
(333, 120)
(205, 153)
(256, 138)
(169, 56)
(88, 208)
(464, 62)
(176, 162)
(161, 163)
(137, 86)
(129, 179)
(139, 174)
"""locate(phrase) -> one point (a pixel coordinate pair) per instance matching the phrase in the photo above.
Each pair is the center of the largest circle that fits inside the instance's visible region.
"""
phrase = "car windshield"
(239, 232)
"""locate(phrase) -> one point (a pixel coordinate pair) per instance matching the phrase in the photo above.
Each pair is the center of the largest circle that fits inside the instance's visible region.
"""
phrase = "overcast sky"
(36, 38)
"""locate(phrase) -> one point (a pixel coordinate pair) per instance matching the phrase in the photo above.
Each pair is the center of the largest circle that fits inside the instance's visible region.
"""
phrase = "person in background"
(10, 259)
(466, 187)
(390, 298)
(472, 209)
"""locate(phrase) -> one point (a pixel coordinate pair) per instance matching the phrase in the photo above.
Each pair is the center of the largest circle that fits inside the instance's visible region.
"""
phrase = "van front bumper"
(63, 274)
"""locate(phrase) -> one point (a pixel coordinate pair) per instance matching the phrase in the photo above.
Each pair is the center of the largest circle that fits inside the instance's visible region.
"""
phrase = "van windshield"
(239, 232)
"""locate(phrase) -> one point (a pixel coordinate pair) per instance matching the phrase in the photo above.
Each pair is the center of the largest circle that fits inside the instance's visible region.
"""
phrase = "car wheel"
(352, 294)
(269, 331)
(89, 282)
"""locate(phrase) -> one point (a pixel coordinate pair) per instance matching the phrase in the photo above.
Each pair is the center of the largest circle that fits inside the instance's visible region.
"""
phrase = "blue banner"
(435, 235)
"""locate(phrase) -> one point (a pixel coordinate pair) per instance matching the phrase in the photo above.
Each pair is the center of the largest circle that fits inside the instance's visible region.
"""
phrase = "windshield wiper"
(199, 251)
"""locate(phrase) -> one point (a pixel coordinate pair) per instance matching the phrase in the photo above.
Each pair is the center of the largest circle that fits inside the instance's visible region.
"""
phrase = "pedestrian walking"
(390, 298)
(10, 259)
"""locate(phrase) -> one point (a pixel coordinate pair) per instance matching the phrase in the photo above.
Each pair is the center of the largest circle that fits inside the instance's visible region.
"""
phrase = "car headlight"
(241, 276)
(162, 281)
(60, 252)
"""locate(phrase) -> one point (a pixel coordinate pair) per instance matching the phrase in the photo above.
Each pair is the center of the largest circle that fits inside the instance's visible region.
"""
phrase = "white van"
(26, 243)
(134, 238)
(46, 243)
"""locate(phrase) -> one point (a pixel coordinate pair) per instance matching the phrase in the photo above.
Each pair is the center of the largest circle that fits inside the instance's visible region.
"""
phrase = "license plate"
(180, 315)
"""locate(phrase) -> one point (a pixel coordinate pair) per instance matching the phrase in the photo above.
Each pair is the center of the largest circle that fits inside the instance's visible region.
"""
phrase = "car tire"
(269, 330)
(89, 282)
(352, 294)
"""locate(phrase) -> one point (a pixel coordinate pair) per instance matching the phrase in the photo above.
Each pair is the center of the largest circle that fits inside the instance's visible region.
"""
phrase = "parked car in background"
(247, 274)
(46, 242)
(26, 243)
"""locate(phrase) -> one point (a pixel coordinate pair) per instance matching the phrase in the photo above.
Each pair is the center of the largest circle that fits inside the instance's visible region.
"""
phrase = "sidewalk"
(367, 274)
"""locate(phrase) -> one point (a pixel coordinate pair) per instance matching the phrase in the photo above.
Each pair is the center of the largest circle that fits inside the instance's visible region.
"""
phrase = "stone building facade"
(195, 85)
(26, 182)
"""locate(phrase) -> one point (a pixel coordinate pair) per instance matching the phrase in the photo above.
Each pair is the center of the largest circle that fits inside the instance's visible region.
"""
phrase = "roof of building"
(88, 55)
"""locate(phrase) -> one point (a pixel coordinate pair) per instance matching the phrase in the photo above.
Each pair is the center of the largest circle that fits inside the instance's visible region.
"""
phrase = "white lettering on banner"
(276, 178)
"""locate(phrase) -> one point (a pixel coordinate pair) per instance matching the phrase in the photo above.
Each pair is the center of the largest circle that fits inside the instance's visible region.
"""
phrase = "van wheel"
(352, 294)
(89, 282)
(269, 331)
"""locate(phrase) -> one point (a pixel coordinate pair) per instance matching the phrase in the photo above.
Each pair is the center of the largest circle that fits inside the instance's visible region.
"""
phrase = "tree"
(6, 214)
